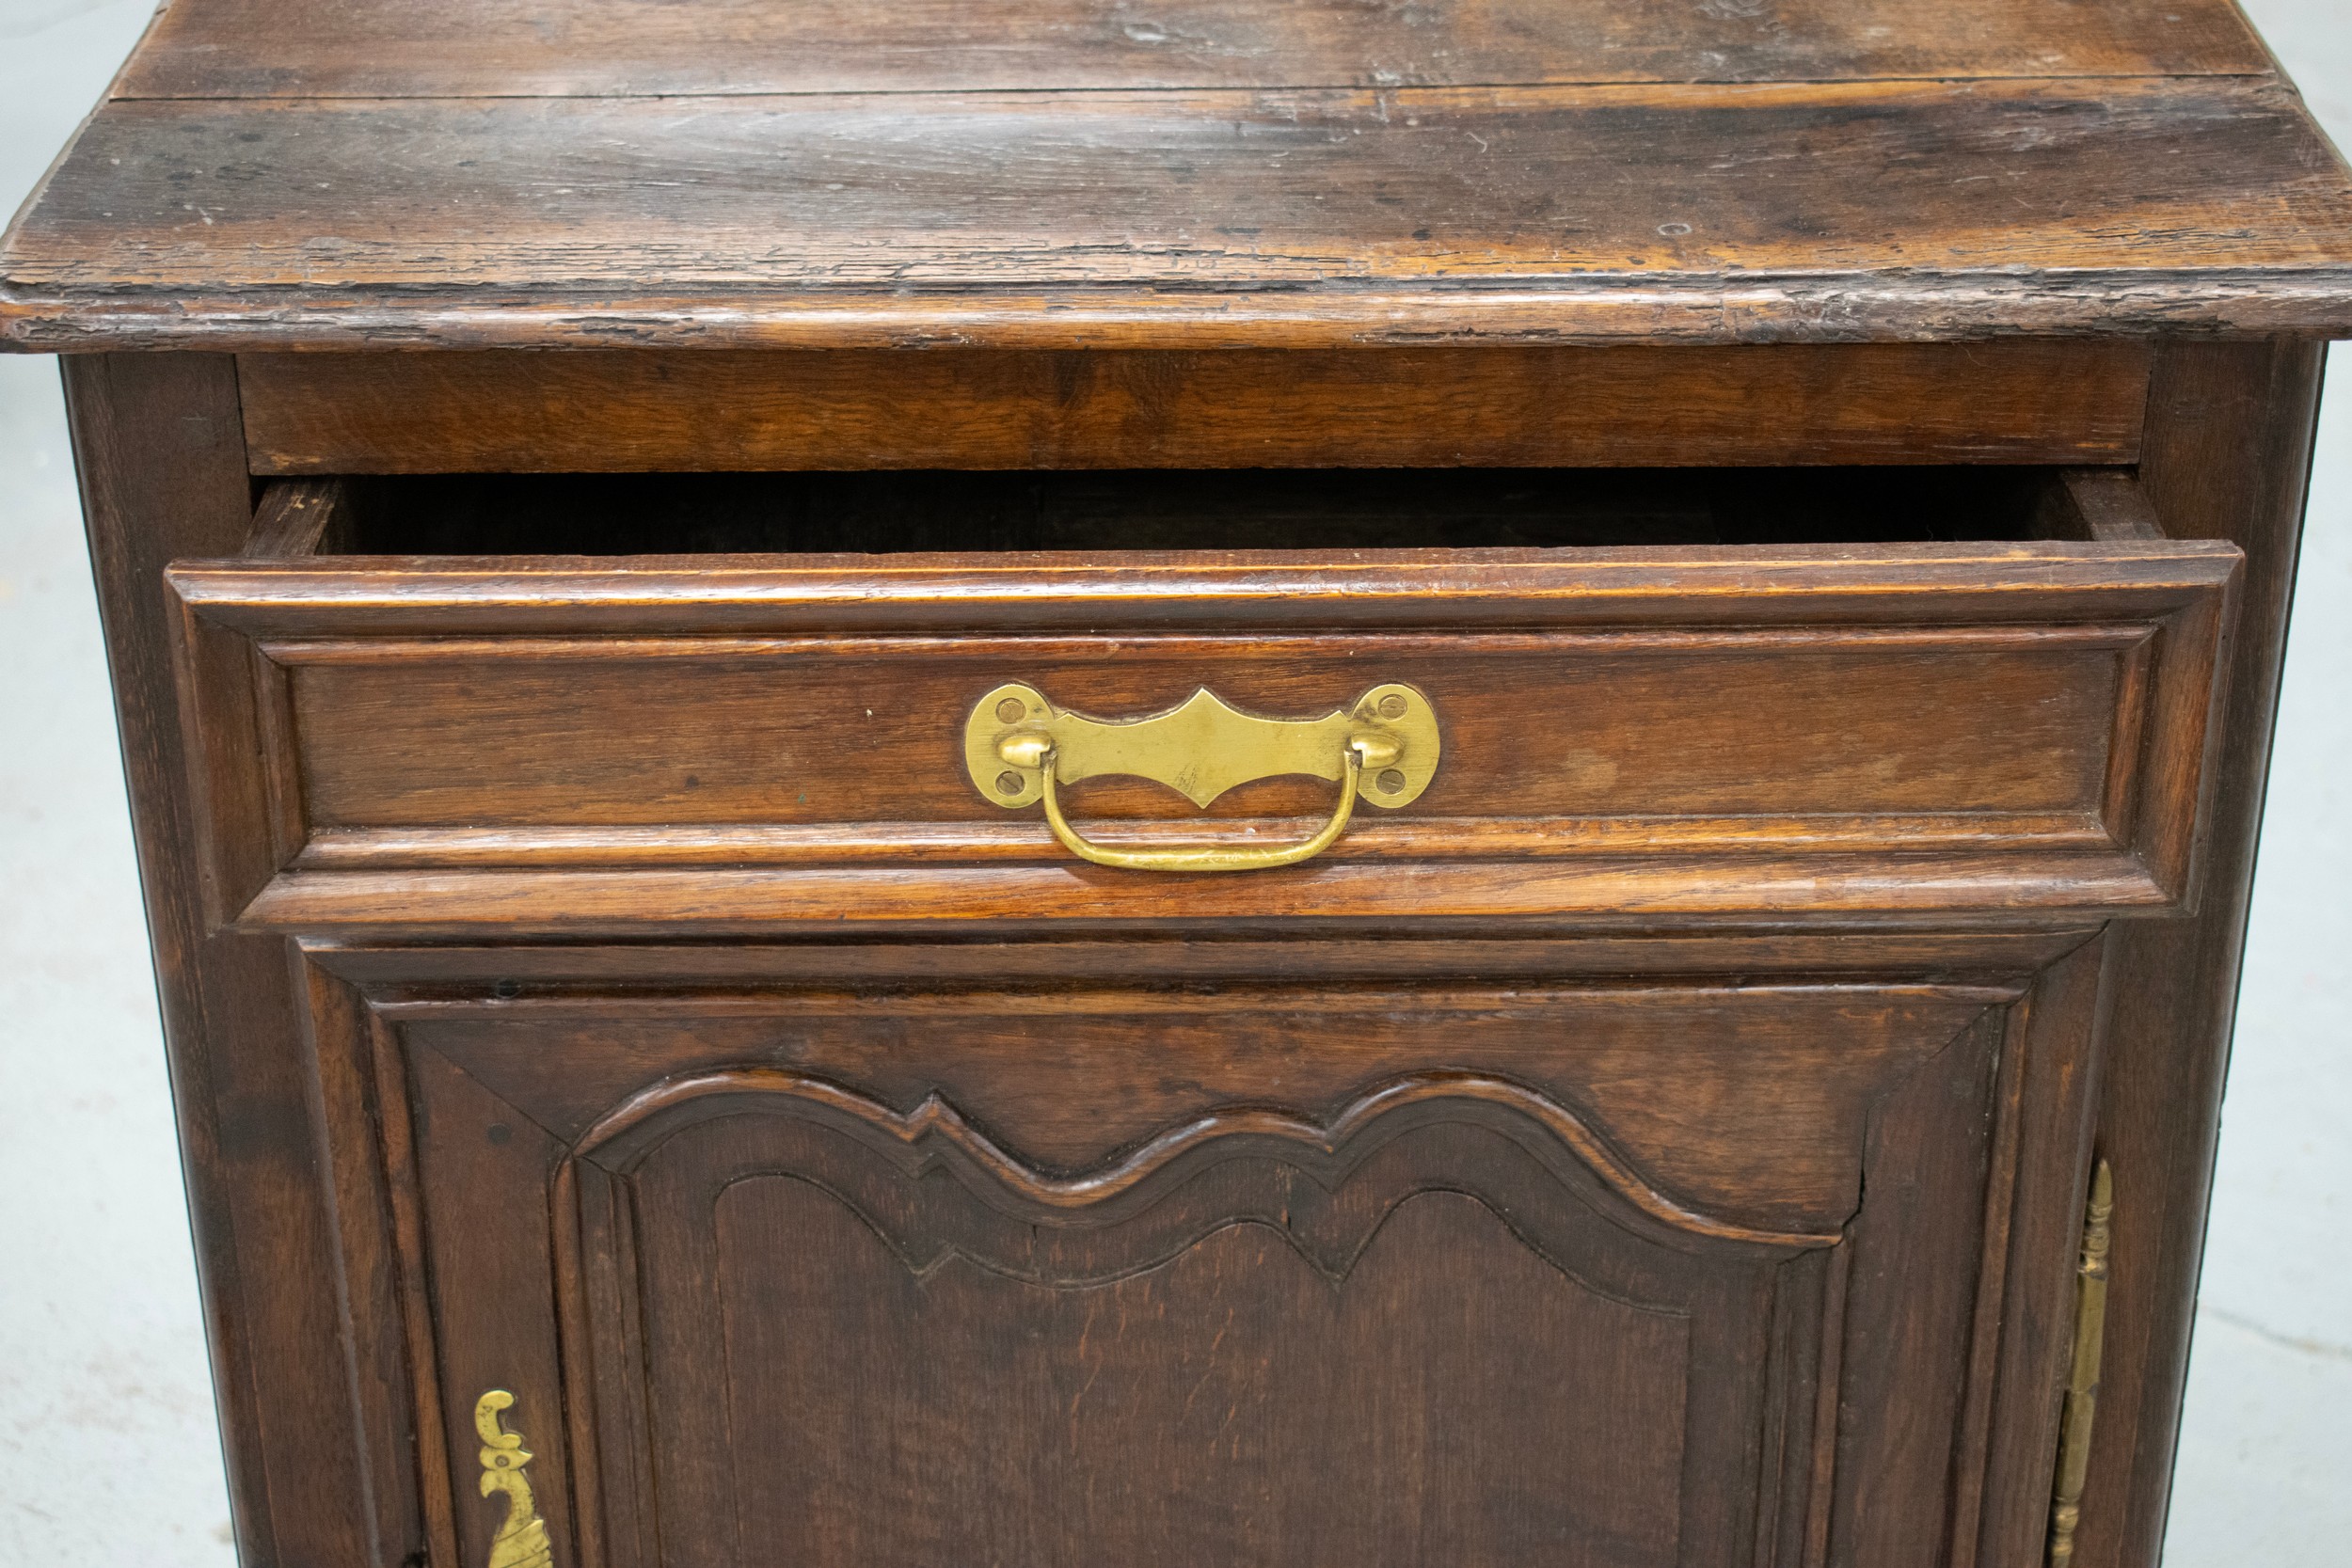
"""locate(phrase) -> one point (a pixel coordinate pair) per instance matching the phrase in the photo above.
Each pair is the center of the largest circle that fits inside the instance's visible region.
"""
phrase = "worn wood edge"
(352, 599)
(1124, 999)
(1590, 310)
(716, 901)
(1823, 955)
(298, 517)
(1025, 840)
(2107, 506)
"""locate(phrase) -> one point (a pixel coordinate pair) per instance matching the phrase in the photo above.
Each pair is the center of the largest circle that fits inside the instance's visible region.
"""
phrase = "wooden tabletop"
(1058, 173)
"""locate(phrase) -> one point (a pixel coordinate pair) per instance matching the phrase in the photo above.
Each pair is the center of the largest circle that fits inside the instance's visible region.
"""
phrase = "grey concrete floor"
(108, 1456)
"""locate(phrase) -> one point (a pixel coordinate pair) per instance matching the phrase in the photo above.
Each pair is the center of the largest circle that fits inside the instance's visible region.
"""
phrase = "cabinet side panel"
(158, 442)
(2230, 430)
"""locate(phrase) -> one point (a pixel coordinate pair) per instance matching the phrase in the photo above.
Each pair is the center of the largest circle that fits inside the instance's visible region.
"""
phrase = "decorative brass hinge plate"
(521, 1540)
(2082, 1383)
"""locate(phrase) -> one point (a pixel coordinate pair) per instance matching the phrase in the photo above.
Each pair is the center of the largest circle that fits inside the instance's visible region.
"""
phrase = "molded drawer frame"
(395, 742)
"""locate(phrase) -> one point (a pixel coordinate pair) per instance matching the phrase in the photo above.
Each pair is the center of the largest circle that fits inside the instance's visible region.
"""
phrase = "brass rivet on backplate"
(1391, 781)
(1010, 783)
(1011, 709)
(1393, 706)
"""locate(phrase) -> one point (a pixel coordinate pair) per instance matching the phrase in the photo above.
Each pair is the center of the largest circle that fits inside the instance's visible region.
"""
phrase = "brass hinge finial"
(2082, 1383)
(521, 1540)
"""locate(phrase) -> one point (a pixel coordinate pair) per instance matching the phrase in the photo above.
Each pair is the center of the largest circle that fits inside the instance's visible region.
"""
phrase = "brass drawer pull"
(1019, 748)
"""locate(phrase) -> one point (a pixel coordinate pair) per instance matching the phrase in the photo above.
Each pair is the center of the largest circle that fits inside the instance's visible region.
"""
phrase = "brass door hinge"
(521, 1540)
(2082, 1382)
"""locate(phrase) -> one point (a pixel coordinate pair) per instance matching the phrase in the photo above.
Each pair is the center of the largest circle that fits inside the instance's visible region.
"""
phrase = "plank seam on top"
(1842, 85)
(1206, 88)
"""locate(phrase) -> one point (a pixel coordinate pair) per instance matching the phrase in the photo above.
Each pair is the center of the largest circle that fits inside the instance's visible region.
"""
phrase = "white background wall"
(108, 1456)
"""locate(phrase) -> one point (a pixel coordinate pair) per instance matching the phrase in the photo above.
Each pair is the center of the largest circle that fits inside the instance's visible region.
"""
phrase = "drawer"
(1782, 714)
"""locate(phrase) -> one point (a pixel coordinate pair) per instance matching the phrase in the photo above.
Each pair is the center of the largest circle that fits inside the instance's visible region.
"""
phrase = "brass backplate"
(1202, 746)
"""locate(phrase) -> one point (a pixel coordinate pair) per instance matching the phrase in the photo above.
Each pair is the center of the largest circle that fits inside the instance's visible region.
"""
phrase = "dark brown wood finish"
(296, 518)
(2235, 425)
(591, 974)
(2023, 401)
(2001, 1409)
(1296, 218)
(609, 48)
(1733, 1129)
(163, 473)
(497, 740)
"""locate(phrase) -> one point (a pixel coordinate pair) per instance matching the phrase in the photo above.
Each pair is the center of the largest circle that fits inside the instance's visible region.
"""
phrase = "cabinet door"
(1402, 1269)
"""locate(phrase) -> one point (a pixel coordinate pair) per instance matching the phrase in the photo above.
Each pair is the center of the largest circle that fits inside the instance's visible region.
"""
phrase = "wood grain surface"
(610, 48)
(485, 726)
(2025, 400)
(1272, 1331)
(162, 474)
(1741, 1010)
(1221, 1138)
(1192, 218)
(2235, 422)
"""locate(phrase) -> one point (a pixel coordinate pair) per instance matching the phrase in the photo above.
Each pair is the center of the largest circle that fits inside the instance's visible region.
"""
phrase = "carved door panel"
(1423, 1330)
(1448, 1272)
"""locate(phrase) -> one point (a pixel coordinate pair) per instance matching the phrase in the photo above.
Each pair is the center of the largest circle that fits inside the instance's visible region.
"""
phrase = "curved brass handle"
(1020, 748)
(1207, 857)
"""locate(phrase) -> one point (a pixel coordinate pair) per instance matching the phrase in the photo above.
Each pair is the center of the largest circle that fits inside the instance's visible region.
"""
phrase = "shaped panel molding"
(1526, 1347)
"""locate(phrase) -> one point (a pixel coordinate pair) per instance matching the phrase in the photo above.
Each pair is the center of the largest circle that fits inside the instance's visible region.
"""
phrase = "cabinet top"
(1194, 173)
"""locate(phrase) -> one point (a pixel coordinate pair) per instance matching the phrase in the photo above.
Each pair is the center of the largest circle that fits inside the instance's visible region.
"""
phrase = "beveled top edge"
(1823, 307)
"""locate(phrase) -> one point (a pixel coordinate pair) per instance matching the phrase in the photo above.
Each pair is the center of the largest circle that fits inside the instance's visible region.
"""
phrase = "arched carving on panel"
(646, 1257)
(934, 1136)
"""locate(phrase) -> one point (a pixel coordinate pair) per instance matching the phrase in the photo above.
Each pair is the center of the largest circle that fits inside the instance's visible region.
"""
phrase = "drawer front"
(1696, 730)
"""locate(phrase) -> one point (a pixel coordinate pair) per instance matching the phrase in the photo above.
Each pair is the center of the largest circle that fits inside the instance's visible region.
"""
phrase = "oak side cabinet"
(1237, 783)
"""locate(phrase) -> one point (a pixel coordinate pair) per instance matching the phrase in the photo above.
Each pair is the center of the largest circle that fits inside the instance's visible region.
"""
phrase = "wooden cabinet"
(1038, 788)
